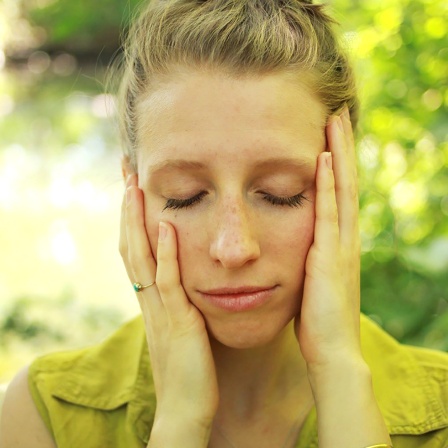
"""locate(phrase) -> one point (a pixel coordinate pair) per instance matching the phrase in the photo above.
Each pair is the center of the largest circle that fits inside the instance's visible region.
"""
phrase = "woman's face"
(231, 164)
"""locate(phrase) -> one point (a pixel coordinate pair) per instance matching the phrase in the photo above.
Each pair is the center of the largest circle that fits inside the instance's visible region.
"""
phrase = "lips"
(237, 290)
(235, 299)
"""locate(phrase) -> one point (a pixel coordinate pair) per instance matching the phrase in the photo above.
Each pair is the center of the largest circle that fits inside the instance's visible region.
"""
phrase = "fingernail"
(128, 195)
(329, 161)
(129, 180)
(162, 230)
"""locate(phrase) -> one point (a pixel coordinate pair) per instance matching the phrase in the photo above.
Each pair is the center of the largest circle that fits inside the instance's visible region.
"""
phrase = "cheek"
(285, 240)
(185, 229)
(192, 253)
(304, 232)
(190, 240)
(292, 240)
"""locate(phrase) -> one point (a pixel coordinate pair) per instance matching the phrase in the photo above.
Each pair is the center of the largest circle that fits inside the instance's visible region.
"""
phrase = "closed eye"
(291, 201)
(176, 204)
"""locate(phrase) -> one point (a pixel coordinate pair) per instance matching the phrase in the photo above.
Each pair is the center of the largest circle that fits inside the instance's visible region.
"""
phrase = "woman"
(239, 234)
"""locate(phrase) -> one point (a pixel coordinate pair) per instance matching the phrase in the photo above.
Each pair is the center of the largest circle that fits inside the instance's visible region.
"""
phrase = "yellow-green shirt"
(103, 396)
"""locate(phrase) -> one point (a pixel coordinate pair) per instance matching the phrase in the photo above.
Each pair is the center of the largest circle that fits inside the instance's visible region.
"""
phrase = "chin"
(246, 334)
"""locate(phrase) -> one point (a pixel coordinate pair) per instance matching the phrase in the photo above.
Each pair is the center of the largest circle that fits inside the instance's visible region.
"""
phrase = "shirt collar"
(406, 392)
(408, 399)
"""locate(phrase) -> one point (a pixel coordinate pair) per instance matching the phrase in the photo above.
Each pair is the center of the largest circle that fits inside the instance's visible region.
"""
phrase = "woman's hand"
(181, 359)
(328, 326)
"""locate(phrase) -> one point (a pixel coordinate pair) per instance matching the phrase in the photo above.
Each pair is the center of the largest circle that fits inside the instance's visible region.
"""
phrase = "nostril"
(234, 249)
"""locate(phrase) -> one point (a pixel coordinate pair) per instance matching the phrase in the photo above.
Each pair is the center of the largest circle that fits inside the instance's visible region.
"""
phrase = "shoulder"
(102, 359)
(21, 424)
(101, 376)
(106, 390)
(411, 386)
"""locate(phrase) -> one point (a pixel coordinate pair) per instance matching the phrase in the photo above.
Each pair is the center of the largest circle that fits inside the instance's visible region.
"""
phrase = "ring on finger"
(139, 287)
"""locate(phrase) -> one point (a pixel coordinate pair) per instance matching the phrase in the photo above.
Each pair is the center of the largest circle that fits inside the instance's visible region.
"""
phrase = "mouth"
(242, 298)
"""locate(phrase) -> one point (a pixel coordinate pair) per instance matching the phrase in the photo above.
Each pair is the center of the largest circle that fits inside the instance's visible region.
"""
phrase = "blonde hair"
(237, 37)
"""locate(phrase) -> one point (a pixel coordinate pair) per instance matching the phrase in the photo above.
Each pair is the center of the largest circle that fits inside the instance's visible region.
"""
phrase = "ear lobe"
(126, 167)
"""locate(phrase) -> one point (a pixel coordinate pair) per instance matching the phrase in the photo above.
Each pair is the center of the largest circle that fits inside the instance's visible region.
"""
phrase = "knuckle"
(165, 288)
(167, 284)
(139, 259)
(162, 256)
(165, 258)
(162, 284)
(332, 215)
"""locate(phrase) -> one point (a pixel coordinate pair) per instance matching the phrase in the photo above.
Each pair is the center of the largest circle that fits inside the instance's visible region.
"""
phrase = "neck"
(255, 381)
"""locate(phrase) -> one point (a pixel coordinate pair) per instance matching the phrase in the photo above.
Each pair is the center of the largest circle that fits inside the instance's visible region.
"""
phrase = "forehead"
(215, 116)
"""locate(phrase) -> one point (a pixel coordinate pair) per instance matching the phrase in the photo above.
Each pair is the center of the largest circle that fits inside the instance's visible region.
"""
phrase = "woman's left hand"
(327, 327)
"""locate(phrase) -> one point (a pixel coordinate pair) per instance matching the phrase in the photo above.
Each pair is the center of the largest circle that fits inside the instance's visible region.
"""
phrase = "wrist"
(347, 410)
(174, 431)
(345, 371)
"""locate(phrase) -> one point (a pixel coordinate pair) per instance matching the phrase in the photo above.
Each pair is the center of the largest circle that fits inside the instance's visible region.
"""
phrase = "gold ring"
(139, 287)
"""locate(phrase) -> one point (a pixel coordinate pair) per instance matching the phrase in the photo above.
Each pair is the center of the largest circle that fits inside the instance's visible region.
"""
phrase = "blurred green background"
(62, 283)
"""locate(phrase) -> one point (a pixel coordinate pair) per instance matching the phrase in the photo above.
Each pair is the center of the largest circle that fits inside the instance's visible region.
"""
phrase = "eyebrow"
(273, 162)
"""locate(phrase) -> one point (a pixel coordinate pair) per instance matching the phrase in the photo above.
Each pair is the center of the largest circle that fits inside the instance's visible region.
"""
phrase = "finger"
(140, 254)
(348, 204)
(350, 144)
(348, 130)
(168, 275)
(345, 181)
(123, 241)
(326, 232)
(352, 160)
(141, 263)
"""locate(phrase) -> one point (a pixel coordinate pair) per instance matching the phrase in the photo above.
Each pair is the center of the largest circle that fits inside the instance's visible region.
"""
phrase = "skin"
(243, 369)
(234, 236)
(254, 374)
(21, 425)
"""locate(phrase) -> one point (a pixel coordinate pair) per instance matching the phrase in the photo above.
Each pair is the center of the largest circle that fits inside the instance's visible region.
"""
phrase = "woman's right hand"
(182, 363)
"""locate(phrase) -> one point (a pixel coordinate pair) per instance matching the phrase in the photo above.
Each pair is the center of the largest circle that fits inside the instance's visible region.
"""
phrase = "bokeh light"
(61, 186)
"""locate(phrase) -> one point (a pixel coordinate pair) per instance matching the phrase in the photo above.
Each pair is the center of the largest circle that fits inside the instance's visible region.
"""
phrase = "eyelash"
(292, 201)
(176, 204)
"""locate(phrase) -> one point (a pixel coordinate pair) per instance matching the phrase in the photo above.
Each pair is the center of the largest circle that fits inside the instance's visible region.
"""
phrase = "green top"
(103, 396)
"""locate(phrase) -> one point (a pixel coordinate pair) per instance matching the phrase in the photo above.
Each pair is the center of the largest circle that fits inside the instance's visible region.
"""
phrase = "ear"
(126, 167)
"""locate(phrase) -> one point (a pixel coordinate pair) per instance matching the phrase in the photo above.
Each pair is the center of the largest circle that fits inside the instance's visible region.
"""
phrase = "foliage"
(81, 25)
(34, 325)
(400, 50)
(403, 155)
(42, 322)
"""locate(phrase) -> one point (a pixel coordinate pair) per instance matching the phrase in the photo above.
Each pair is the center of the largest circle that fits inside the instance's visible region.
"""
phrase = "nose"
(234, 242)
